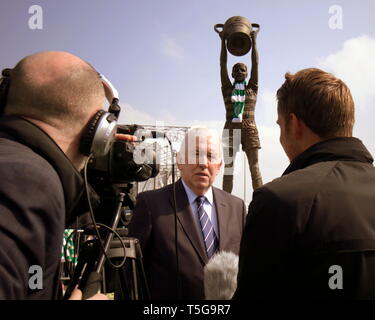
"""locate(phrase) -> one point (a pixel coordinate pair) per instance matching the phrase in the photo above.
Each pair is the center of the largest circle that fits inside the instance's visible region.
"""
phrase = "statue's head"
(239, 72)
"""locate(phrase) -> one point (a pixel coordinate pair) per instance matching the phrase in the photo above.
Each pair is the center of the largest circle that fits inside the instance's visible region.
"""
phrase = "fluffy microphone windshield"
(220, 276)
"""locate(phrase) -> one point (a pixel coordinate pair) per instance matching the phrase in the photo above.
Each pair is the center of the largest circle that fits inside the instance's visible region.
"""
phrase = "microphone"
(220, 276)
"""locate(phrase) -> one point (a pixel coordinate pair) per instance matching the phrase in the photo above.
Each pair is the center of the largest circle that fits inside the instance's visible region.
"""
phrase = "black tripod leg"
(142, 275)
(144, 290)
(124, 292)
(87, 256)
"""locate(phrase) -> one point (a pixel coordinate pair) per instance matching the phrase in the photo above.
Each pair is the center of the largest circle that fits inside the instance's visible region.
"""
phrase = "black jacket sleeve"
(32, 215)
(141, 224)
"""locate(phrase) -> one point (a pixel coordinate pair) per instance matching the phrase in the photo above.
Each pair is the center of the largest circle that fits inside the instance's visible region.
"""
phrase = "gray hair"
(189, 145)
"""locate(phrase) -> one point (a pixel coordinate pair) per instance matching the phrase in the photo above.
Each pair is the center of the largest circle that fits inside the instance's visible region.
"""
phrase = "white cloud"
(171, 48)
(266, 108)
(355, 64)
(272, 158)
(129, 115)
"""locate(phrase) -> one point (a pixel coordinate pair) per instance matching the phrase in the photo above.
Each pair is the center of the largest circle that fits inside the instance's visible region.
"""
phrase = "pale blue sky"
(163, 55)
(128, 41)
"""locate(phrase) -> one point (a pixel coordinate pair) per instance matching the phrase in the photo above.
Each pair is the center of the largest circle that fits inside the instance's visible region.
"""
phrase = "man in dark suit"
(311, 233)
(208, 220)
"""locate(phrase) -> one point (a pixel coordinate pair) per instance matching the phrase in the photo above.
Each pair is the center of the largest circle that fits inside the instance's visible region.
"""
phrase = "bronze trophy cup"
(237, 31)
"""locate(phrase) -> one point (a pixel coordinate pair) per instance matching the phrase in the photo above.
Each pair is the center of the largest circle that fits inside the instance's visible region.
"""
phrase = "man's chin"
(202, 185)
(202, 179)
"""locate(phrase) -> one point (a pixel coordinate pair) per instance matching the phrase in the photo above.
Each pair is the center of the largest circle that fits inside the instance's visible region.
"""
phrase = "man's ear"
(296, 126)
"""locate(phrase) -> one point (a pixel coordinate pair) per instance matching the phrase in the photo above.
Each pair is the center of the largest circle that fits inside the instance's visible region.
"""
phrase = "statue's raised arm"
(253, 82)
(225, 81)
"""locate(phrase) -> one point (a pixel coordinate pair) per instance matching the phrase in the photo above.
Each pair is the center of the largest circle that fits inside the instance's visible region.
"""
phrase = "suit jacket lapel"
(185, 218)
(223, 218)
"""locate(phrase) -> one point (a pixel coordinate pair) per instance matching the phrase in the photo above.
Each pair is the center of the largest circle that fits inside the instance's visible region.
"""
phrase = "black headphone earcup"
(89, 134)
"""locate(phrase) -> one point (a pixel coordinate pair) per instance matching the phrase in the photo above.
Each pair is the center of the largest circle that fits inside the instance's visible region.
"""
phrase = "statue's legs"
(228, 183)
(231, 145)
(252, 158)
(232, 139)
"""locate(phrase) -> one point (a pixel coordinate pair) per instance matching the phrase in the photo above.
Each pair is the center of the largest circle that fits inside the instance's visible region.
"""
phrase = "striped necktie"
(209, 236)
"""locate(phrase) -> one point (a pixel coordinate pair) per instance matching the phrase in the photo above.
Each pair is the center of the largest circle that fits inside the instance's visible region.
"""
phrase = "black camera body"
(126, 162)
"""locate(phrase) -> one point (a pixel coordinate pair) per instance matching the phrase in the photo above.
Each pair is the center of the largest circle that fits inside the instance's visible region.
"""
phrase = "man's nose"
(203, 161)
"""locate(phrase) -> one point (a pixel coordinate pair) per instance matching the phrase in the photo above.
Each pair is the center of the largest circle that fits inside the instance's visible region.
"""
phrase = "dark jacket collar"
(26, 133)
(336, 149)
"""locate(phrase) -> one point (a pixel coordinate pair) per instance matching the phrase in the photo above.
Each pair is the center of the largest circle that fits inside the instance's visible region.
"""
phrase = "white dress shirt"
(209, 207)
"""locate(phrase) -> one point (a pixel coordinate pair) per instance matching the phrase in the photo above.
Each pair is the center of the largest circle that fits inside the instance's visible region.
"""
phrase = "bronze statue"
(240, 109)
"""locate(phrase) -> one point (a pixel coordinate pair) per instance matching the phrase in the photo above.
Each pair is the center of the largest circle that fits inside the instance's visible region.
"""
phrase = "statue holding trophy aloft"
(239, 36)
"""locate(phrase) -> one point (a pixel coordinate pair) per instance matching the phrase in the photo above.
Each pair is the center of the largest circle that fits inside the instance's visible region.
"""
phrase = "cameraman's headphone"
(4, 88)
(101, 129)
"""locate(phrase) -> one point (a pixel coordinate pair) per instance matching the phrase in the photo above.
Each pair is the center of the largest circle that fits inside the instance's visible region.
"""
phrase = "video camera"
(112, 177)
(126, 162)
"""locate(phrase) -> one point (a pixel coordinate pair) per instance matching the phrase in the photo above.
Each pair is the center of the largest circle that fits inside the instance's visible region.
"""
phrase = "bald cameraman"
(50, 100)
